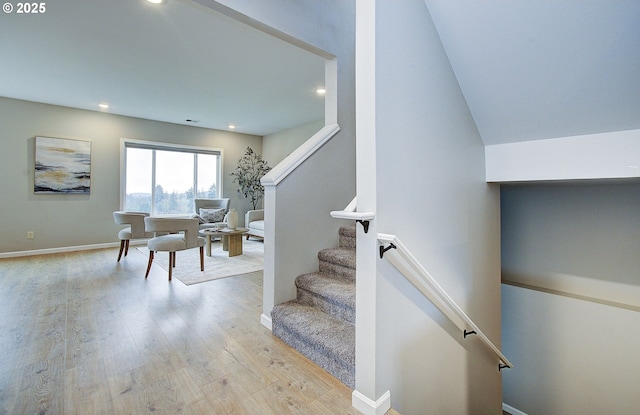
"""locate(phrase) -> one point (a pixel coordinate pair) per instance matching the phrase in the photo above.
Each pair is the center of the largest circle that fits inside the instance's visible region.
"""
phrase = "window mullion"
(153, 181)
(195, 175)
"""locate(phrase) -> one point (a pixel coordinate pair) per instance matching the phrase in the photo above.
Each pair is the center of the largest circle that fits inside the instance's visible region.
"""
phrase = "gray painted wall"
(74, 220)
(277, 146)
(431, 194)
(572, 356)
(591, 231)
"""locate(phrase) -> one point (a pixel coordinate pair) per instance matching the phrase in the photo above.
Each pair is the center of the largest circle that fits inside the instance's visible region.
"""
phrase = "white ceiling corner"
(169, 63)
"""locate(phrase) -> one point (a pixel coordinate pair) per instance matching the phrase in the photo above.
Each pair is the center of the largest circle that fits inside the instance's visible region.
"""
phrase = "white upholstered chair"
(254, 221)
(222, 203)
(136, 230)
(211, 204)
(182, 234)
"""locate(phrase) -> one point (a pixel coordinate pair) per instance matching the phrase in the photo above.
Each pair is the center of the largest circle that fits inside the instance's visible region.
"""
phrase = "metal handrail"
(400, 257)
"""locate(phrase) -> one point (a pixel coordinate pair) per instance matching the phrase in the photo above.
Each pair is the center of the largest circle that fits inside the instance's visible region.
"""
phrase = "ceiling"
(538, 69)
(172, 62)
(529, 69)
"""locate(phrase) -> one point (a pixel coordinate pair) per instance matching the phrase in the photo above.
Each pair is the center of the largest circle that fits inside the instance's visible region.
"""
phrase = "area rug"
(218, 265)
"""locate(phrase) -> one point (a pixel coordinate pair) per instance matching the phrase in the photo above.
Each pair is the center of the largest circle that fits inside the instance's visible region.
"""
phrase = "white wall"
(574, 353)
(611, 155)
(277, 146)
(429, 177)
(75, 220)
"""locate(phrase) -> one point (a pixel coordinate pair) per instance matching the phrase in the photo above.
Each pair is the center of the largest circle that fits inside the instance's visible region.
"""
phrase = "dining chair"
(136, 229)
(178, 234)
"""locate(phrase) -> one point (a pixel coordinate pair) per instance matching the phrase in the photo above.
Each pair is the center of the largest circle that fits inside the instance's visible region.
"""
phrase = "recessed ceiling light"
(156, 1)
(103, 106)
(232, 126)
(321, 91)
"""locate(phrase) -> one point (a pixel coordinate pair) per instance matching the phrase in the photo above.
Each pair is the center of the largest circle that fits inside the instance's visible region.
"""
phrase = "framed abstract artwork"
(62, 166)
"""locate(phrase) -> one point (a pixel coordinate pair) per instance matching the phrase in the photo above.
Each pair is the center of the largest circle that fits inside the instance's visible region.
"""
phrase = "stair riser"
(347, 241)
(341, 370)
(341, 311)
(337, 270)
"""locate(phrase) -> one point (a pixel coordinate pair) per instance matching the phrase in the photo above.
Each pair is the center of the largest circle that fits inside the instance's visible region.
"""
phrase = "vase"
(231, 219)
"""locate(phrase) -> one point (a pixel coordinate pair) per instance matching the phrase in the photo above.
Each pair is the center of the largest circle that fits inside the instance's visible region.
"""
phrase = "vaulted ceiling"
(537, 69)
(529, 69)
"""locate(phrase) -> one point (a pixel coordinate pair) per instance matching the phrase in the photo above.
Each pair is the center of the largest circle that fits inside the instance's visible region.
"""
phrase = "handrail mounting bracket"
(468, 333)
(365, 224)
(383, 249)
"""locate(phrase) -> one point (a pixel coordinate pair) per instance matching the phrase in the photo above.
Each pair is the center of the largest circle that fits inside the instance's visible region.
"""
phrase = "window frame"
(164, 146)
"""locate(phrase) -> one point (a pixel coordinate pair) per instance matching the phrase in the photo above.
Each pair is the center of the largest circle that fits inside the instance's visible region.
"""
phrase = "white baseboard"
(66, 249)
(370, 407)
(511, 410)
(266, 321)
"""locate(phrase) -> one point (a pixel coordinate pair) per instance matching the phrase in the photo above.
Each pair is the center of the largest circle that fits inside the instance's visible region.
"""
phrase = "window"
(165, 178)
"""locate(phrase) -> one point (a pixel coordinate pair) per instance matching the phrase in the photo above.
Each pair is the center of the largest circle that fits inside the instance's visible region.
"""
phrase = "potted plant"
(250, 169)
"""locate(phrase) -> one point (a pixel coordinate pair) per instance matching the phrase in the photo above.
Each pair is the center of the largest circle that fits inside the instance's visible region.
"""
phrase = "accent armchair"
(210, 205)
(182, 234)
(136, 229)
(254, 221)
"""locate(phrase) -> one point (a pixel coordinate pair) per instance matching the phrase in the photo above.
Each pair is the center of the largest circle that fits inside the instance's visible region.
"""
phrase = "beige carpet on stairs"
(218, 265)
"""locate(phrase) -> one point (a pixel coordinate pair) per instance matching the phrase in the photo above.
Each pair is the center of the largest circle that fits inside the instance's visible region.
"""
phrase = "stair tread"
(345, 257)
(335, 289)
(324, 331)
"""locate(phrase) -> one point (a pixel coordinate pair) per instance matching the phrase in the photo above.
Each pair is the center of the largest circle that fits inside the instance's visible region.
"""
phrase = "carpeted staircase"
(319, 323)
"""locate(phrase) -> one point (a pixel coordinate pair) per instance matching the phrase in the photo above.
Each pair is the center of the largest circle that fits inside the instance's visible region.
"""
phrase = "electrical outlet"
(30, 235)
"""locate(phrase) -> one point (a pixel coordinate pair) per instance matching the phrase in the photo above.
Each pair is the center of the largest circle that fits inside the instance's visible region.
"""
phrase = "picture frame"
(62, 166)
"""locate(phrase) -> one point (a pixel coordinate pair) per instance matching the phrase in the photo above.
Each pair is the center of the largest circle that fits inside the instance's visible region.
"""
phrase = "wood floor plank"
(202, 365)
(129, 393)
(278, 399)
(119, 363)
(9, 389)
(188, 391)
(274, 355)
(42, 388)
(337, 401)
(163, 396)
(82, 340)
(228, 396)
(87, 389)
(84, 334)
(242, 363)
(115, 338)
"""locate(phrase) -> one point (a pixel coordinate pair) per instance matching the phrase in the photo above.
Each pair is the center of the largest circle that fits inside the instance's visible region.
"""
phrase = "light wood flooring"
(83, 334)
